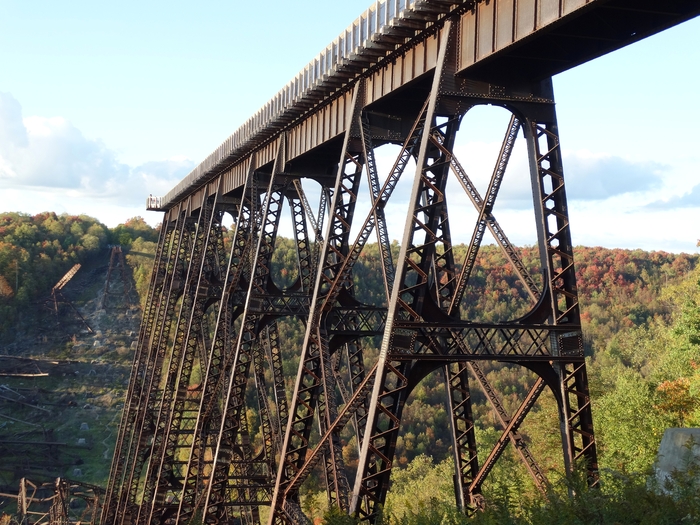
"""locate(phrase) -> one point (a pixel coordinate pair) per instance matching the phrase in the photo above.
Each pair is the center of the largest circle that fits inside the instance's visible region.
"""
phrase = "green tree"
(628, 426)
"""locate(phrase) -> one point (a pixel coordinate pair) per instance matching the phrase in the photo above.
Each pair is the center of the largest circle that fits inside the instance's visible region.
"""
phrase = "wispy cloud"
(687, 200)
(51, 153)
(599, 177)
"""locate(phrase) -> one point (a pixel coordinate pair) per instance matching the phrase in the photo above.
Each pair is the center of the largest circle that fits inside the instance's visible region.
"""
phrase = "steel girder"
(188, 452)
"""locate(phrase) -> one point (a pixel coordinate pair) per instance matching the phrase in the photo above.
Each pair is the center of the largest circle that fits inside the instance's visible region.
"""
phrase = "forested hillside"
(641, 320)
(65, 358)
(626, 296)
(36, 251)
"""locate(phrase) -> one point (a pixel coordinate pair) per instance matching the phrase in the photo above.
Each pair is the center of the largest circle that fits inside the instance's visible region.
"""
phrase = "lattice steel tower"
(210, 433)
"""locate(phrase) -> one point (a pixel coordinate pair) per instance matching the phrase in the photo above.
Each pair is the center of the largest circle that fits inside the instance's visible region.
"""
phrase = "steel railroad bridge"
(404, 73)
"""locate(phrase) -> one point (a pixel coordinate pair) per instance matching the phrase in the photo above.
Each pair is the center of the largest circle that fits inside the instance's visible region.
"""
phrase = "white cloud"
(12, 130)
(618, 223)
(49, 153)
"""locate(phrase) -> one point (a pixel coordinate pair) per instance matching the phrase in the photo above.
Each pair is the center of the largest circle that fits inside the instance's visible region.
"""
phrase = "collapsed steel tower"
(405, 73)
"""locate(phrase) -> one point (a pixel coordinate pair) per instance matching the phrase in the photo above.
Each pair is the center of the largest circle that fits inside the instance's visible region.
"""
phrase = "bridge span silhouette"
(401, 77)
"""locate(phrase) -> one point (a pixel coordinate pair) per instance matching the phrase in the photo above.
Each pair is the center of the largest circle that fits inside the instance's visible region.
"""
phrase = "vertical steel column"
(379, 218)
(165, 239)
(463, 437)
(219, 362)
(174, 428)
(160, 345)
(167, 390)
(557, 256)
(305, 260)
(148, 357)
(146, 425)
(217, 494)
(274, 355)
(410, 293)
(314, 370)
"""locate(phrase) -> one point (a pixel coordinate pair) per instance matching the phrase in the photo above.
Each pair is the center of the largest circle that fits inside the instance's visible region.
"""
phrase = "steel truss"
(61, 502)
(187, 450)
(116, 260)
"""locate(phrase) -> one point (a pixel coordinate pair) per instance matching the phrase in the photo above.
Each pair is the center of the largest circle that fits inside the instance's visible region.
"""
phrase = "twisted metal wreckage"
(405, 73)
(60, 502)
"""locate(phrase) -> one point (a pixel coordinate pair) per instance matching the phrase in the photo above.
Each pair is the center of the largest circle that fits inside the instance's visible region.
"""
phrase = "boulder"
(679, 448)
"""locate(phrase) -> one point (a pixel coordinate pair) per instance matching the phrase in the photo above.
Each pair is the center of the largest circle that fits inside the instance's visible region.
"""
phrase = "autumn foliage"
(641, 320)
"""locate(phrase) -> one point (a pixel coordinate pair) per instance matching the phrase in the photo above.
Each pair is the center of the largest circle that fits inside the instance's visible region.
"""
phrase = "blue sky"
(102, 104)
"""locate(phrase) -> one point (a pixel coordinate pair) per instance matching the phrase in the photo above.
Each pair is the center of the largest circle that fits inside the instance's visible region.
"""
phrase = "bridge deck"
(395, 41)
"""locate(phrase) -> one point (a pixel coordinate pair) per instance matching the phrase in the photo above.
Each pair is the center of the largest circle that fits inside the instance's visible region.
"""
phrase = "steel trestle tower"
(189, 447)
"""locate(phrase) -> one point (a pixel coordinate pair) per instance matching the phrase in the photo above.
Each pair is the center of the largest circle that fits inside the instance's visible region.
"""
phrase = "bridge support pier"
(211, 355)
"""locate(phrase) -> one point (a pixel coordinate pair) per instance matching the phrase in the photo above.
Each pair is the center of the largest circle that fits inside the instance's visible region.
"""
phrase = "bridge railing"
(154, 203)
(378, 28)
(381, 17)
